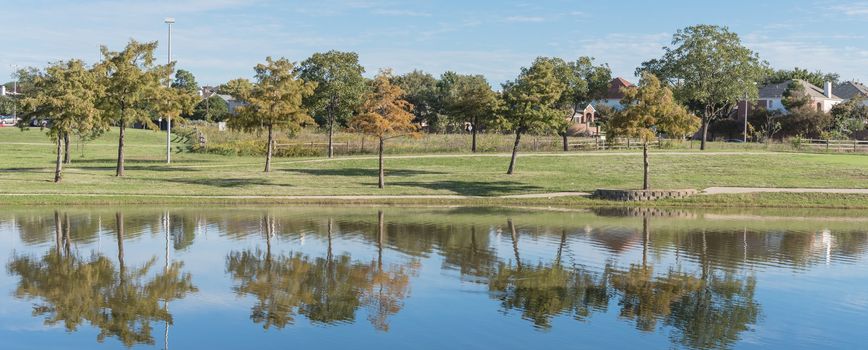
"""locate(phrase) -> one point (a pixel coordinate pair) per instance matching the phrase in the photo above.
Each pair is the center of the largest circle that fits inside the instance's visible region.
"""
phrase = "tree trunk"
(473, 138)
(269, 147)
(121, 131)
(119, 222)
(566, 145)
(58, 165)
(382, 180)
(331, 133)
(381, 233)
(705, 123)
(58, 231)
(514, 153)
(66, 158)
(645, 185)
(514, 234)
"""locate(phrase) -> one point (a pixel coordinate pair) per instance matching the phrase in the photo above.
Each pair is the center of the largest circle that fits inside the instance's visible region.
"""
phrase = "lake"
(431, 278)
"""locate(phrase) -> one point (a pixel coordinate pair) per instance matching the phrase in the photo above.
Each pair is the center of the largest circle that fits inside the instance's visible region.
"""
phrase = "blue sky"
(222, 39)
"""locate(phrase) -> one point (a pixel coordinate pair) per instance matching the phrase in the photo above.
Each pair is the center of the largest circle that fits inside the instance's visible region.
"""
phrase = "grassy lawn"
(26, 166)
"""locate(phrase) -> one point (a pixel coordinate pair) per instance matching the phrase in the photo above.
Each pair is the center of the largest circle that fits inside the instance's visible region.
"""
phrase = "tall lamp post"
(169, 21)
(15, 92)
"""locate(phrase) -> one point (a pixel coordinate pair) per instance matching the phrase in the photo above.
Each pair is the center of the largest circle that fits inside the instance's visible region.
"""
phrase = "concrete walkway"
(729, 190)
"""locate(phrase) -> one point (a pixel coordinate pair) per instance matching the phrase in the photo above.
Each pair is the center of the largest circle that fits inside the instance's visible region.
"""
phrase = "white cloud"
(856, 9)
(524, 19)
(400, 13)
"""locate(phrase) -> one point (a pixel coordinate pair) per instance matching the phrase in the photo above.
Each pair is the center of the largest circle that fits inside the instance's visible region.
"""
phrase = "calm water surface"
(430, 278)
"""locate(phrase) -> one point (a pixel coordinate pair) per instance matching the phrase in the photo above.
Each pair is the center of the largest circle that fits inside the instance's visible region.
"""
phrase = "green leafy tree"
(67, 92)
(420, 89)
(531, 102)
(339, 91)
(817, 78)
(132, 84)
(475, 102)
(184, 80)
(384, 115)
(710, 71)
(585, 83)
(803, 118)
(212, 109)
(7, 105)
(850, 116)
(274, 101)
(651, 109)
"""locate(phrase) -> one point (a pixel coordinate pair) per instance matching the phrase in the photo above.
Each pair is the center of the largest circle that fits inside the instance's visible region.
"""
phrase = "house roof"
(850, 89)
(615, 88)
(777, 90)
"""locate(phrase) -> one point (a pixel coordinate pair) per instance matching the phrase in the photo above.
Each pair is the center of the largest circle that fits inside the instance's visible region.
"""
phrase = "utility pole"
(169, 21)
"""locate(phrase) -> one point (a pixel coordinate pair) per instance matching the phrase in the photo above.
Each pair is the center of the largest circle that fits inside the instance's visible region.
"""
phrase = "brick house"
(584, 121)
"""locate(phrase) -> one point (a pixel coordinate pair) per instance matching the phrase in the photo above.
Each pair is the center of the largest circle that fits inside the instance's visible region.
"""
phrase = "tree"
(175, 102)
(7, 105)
(530, 101)
(850, 116)
(709, 70)
(817, 78)
(803, 118)
(212, 109)
(339, 91)
(765, 123)
(132, 83)
(584, 83)
(385, 114)
(474, 101)
(274, 101)
(420, 89)
(67, 92)
(651, 109)
(184, 80)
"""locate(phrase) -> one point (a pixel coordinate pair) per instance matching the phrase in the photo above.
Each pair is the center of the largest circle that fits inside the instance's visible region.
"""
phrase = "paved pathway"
(728, 190)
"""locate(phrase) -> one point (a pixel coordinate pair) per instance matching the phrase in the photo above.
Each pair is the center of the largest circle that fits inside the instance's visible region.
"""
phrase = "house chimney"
(828, 90)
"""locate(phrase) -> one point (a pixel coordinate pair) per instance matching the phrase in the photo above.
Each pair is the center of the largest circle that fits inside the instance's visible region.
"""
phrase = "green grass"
(26, 166)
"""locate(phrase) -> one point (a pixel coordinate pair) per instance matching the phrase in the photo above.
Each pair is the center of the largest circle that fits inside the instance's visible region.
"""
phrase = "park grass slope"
(26, 168)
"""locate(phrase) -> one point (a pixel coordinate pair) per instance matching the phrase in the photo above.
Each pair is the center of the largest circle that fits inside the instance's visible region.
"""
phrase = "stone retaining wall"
(641, 195)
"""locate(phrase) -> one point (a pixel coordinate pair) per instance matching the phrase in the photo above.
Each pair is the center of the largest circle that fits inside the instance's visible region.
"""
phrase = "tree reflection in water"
(705, 312)
(121, 302)
(324, 290)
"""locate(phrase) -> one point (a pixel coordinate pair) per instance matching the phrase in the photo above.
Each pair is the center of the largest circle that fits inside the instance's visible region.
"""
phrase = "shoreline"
(817, 200)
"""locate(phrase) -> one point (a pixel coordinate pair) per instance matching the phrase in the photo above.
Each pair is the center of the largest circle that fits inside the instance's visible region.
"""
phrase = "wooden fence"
(836, 145)
(615, 144)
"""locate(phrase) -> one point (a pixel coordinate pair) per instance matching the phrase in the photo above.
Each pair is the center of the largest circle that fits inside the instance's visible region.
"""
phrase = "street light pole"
(15, 92)
(169, 21)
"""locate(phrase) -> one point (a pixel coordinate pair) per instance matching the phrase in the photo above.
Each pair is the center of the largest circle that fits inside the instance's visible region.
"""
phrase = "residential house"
(771, 97)
(849, 90)
(584, 121)
(209, 91)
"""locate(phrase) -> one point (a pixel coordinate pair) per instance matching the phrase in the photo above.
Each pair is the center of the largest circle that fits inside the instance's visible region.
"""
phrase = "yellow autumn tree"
(385, 114)
(651, 110)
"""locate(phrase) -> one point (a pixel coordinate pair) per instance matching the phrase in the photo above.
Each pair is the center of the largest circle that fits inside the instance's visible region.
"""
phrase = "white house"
(772, 95)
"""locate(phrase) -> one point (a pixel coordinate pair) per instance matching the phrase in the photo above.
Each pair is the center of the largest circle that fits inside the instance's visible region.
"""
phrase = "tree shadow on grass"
(227, 183)
(473, 188)
(163, 168)
(362, 172)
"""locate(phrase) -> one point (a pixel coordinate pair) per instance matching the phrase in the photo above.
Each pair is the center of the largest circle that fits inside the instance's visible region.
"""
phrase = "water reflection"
(325, 290)
(121, 301)
(689, 277)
